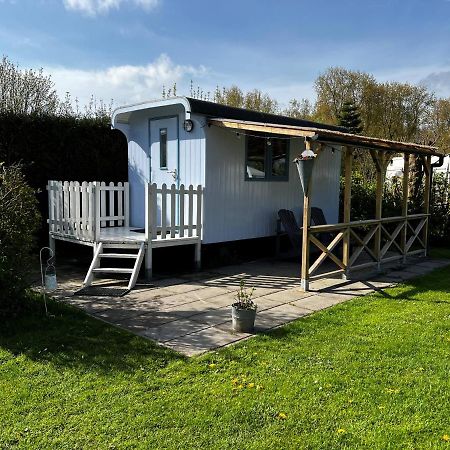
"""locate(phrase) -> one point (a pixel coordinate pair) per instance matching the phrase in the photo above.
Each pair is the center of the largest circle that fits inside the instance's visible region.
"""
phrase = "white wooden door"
(164, 151)
(164, 164)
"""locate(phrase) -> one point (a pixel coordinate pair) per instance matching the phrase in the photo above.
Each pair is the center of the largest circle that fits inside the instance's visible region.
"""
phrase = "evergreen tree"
(349, 118)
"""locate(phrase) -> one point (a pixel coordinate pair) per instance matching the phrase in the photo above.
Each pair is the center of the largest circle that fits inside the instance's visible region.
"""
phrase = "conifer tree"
(349, 118)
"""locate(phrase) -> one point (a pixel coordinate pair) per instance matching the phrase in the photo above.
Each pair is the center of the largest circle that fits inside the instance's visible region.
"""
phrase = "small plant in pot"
(243, 311)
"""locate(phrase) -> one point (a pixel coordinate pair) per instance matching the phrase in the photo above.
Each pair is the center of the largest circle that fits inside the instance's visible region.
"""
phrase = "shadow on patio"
(191, 313)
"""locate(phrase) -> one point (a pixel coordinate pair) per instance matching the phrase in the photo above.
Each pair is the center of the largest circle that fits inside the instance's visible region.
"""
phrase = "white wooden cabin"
(191, 182)
(395, 167)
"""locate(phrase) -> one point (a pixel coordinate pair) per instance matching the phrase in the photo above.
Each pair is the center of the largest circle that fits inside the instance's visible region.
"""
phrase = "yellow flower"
(350, 400)
(392, 391)
(446, 438)
(240, 386)
(258, 387)
(251, 385)
(340, 431)
(282, 416)
(212, 365)
(234, 381)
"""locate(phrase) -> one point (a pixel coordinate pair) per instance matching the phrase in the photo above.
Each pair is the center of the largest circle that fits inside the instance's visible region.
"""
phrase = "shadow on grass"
(433, 287)
(71, 339)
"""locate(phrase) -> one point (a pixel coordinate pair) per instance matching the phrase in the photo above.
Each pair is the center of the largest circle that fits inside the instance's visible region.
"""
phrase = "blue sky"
(127, 49)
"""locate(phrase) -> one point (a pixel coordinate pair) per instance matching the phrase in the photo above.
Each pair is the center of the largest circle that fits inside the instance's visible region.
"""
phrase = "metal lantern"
(305, 165)
(48, 275)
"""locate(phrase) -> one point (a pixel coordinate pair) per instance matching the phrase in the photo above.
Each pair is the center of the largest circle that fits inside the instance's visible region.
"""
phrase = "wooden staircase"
(114, 254)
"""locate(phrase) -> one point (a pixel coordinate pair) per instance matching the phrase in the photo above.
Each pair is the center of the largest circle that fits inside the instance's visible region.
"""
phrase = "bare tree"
(26, 91)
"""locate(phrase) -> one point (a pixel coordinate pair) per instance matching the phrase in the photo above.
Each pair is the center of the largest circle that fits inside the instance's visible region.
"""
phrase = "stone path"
(191, 314)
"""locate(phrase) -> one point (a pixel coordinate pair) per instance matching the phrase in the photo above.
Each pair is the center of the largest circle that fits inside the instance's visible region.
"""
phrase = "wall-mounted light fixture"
(188, 125)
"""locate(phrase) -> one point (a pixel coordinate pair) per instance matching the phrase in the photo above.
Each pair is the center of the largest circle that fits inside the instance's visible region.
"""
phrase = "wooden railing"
(173, 212)
(80, 210)
(367, 243)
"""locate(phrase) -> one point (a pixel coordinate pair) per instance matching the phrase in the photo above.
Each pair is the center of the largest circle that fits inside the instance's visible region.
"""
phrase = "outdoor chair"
(290, 226)
(318, 218)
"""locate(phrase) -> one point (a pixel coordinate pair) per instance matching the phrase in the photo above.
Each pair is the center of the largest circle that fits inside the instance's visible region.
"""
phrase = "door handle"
(174, 174)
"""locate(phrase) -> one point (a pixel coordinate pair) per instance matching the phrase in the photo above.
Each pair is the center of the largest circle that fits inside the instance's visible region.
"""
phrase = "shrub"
(363, 203)
(440, 209)
(19, 220)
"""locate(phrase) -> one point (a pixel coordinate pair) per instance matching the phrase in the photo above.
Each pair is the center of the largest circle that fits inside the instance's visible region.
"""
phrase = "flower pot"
(305, 169)
(243, 320)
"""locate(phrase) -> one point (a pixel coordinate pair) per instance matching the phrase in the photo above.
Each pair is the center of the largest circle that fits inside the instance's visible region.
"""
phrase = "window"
(163, 148)
(267, 158)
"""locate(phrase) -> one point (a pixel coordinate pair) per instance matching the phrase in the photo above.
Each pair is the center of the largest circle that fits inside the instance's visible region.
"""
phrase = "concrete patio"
(191, 313)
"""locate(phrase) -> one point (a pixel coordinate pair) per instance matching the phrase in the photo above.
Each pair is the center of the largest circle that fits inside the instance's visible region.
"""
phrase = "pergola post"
(405, 192)
(348, 162)
(305, 231)
(380, 165)
(426, 202)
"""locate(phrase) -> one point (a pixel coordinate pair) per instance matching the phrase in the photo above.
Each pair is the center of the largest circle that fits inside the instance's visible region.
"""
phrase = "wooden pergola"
(379, 240)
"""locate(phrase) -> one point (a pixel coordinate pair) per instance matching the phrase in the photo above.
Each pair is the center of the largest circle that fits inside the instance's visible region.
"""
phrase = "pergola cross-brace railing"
(368, 243)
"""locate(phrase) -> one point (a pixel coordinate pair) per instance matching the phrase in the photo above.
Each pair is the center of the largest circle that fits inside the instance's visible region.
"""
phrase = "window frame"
(268, 160)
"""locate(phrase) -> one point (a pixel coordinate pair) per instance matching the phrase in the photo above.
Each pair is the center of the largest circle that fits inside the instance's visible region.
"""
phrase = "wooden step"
(112, 270)
(118, 255)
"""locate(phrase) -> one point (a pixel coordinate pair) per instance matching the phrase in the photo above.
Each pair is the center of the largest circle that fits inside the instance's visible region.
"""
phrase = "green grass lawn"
(371, 373)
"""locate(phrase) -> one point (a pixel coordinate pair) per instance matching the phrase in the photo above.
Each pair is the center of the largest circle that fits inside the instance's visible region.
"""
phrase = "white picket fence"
(80, 210)
(173, 212)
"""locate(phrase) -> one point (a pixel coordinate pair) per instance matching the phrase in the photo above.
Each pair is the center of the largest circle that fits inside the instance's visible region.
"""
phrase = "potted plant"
(305, 165)
(243, 311)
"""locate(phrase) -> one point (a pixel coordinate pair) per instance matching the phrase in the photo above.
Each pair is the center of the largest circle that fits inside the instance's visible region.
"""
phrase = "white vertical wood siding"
(191, 151)
(238, 209)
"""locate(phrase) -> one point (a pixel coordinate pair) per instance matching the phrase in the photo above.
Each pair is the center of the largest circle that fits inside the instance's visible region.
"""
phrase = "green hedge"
(62, 148)
(363, 203)
(19, 220)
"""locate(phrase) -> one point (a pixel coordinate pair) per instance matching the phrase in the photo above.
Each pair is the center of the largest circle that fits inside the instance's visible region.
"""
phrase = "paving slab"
(418, 269)
(279, 315)
(434, 264)
(318, 302)
(288, 295)
(325, 283)
(350, 288)
(173, 330)
(378, 285)
(142, 323)
(205, 340)
(401, 275)
(189, 309)
(264, 303)
(214, 317)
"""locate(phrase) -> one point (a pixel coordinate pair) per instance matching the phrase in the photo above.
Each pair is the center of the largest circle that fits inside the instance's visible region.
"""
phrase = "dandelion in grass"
(259, 387)
(234, 381)
(251, 385)
(340, 431)
(212, 365)
(392, 391)
(446, 438)
(282, 416)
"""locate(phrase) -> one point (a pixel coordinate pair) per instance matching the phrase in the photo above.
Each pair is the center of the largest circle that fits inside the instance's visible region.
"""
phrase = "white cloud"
(124, 84)
(439, 82)
(94, 7)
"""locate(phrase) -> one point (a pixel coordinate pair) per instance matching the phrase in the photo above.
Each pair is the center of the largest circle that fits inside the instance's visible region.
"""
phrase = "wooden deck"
(98, 214)
(129, 235)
